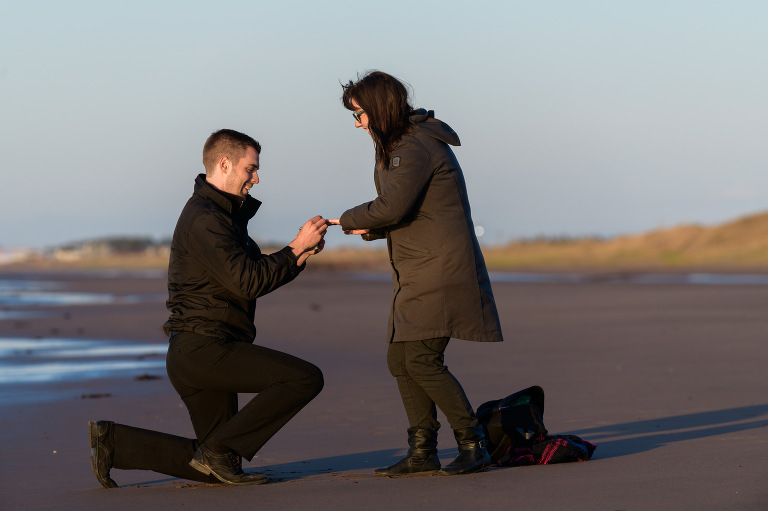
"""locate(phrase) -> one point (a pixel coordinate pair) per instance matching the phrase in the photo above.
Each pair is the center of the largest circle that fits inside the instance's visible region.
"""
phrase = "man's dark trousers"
(209, 372)
(143, 449)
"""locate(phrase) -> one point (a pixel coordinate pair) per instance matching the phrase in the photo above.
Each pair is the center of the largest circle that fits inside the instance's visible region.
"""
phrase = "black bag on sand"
(515, 433)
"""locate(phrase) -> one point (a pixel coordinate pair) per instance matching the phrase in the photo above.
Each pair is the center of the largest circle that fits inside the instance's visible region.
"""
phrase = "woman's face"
(361, 115)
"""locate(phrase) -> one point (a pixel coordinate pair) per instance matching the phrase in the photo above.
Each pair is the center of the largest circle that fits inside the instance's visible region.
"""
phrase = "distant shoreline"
(740, 246)
(377, 261)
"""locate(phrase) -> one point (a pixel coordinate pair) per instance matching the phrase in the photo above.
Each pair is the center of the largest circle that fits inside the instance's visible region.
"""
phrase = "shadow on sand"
(612, 440)
(366, 461)
(636, 437)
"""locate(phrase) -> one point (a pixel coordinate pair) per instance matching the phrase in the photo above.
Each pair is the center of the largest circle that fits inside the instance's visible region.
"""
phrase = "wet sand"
(667, 379)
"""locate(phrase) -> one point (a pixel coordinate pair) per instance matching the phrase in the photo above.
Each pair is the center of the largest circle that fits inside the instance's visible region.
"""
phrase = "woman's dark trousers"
(425, 382)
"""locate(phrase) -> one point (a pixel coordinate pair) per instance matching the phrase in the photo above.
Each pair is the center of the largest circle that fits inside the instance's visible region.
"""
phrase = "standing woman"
(441, 286)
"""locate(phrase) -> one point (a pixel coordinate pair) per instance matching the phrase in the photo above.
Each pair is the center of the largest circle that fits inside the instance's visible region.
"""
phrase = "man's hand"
(309, 240)
(335, 221)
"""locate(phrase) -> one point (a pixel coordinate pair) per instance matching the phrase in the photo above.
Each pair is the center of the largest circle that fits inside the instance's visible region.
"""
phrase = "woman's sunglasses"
(357, 115)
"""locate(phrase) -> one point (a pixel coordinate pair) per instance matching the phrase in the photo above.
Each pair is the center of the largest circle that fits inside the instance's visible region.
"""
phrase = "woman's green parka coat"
(441, 285)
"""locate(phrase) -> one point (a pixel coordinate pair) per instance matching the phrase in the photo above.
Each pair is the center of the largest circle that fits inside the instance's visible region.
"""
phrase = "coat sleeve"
(375, 234)
(214, 241)
(398, 195)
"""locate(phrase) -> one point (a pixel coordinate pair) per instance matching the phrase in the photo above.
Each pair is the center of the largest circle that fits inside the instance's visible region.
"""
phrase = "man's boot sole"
(108, 483)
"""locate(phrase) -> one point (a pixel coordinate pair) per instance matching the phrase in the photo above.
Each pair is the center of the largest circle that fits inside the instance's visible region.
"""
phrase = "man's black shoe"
(226, 467)
(101, 438)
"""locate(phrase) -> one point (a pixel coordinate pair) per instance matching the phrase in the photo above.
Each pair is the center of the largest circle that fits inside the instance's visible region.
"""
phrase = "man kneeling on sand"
(215, 274)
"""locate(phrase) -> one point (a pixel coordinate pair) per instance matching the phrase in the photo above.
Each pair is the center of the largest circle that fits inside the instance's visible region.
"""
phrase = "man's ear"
(224, 164)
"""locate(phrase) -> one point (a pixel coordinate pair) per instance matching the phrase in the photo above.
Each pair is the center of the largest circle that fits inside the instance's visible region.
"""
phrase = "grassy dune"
(738, 245)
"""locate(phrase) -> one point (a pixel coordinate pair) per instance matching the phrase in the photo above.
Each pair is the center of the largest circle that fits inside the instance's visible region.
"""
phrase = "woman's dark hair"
(384, 99)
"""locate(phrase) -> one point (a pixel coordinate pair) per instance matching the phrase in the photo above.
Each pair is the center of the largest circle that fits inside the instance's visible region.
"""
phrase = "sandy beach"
(667, 378)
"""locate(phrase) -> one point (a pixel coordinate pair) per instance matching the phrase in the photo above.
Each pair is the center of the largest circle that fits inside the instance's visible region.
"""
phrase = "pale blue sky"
(576, 117)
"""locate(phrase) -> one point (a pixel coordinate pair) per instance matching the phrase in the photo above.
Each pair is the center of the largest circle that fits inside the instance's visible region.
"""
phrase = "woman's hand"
(335, 221)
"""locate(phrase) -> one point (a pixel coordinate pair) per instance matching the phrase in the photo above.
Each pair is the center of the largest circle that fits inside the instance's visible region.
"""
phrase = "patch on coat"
(396, 161)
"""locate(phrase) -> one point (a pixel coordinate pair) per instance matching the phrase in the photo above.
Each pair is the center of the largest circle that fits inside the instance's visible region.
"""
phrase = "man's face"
(243, 174)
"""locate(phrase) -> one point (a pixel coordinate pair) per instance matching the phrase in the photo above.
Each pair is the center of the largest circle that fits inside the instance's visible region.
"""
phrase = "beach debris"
(146, 376)
(95, 396)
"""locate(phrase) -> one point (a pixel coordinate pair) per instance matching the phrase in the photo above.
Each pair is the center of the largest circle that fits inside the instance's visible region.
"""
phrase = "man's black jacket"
(216, 271)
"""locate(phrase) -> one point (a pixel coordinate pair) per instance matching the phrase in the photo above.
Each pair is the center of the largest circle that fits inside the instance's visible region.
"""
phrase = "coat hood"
(424, 121)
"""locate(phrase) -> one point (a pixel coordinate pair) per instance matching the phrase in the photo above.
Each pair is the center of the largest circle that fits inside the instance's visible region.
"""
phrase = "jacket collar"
(232, 204)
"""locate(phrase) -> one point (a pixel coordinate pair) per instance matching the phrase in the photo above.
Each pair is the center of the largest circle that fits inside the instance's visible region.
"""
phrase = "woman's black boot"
(422, 455)
(472, 454)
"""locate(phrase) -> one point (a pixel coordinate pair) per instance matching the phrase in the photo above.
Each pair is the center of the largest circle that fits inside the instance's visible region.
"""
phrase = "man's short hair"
(229, 143)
